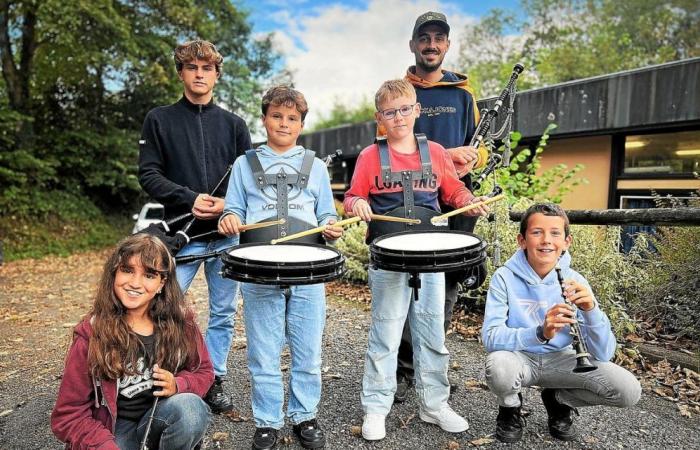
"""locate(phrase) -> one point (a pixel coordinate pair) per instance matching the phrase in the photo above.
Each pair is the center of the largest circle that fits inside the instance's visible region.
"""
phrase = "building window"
(669, 153)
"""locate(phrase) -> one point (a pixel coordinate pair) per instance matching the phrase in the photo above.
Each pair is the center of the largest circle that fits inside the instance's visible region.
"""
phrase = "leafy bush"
(671, 298)
(63, 223)
(356, 252)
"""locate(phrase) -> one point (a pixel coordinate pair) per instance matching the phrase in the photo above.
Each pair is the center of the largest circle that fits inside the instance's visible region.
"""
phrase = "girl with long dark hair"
(139, 342)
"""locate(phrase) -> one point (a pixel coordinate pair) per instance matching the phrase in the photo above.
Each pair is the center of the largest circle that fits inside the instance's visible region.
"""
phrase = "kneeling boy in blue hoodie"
(526, 332)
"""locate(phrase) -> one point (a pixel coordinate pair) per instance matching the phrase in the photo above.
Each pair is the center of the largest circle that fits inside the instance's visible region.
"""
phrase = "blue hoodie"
(517, 302)
(313, 205)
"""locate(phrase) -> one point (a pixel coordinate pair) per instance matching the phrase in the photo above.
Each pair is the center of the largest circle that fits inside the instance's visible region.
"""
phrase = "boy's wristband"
(540, 335)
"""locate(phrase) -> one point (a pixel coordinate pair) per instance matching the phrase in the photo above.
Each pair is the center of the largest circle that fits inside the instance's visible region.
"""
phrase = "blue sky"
(342, 51)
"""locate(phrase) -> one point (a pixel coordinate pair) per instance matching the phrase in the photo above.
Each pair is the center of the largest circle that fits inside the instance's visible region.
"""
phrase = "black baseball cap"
(431, 18)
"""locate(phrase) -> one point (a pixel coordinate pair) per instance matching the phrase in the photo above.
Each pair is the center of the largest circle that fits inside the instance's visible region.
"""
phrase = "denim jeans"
(611, 385)
(274, 316)
(179, 422)
(391, 303)
(222, 298)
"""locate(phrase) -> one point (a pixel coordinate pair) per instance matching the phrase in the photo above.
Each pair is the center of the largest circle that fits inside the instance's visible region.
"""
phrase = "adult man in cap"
(448, 116)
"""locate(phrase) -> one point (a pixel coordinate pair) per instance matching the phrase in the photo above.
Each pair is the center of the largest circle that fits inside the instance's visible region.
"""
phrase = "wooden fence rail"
(650, 216)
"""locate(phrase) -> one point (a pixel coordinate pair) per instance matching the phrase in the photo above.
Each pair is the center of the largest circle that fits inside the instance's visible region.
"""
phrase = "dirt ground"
(40, 301)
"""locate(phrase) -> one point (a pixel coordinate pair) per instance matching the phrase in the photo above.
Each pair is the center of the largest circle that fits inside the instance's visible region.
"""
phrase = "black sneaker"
(264, 438)
(559, 418)
(509, 424)
(310, 434)
(403, 385)
(217, 399)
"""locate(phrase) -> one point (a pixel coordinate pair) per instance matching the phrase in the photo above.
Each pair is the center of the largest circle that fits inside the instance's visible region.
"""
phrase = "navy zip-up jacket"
(185, 150)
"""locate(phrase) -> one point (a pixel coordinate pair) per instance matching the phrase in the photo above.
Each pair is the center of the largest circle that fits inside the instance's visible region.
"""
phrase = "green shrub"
(62, 224)
(356, 252)
(671, 298)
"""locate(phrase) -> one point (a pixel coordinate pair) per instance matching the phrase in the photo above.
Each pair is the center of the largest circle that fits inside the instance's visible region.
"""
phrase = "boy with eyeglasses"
(377, 187)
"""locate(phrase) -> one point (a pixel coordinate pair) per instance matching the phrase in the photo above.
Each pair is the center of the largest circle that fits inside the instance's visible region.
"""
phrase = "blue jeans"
(275, 316)
(391, 303)
(611, 385)
(222, 298)
(179, 422)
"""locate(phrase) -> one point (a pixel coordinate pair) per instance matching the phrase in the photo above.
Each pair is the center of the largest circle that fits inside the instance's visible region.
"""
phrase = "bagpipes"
(180, 238)
(484, 136)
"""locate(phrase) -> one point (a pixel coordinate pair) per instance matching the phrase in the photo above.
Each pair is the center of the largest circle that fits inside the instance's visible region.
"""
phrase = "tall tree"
(561, 40)
(78, 78)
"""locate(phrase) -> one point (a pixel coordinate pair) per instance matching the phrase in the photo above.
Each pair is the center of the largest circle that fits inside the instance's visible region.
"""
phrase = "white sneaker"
(373, 427)
(445, 418)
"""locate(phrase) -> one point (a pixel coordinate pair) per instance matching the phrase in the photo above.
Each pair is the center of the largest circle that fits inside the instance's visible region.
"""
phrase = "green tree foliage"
(78, 78)
(561, 40)
(341, 114)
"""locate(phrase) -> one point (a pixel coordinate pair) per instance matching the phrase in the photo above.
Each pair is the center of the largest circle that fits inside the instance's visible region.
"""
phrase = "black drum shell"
(422, 261)
(283, 273)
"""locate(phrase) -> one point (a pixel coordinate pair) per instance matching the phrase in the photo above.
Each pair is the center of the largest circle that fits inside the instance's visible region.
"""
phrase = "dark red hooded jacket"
(86, 408)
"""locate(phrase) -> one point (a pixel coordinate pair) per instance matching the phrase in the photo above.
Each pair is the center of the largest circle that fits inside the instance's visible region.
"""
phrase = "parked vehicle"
(150, 213)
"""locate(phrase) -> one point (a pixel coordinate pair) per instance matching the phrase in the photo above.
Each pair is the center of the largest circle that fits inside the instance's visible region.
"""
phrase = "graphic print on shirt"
(130, 386)
(432, 111)
(429, 184)
(534, 309)
(270, 191)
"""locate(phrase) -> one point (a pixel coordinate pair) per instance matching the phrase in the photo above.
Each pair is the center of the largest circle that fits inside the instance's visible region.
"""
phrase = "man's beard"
(426, 67)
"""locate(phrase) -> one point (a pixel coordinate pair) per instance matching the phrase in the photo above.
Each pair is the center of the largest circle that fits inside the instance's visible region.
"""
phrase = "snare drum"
(283, 264)
(428, 251)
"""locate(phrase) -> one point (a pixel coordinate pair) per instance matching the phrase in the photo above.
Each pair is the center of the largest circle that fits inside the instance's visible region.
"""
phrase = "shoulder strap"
(424, 152)
(256, 167)
(384, 158)
(306, 166)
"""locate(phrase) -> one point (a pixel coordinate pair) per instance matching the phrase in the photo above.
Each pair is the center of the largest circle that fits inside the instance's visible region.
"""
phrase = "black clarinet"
(485, 122)
(583, 364)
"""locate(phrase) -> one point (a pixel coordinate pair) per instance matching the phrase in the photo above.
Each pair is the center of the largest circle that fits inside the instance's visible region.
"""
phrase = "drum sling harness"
(406, 178)
(280, 181)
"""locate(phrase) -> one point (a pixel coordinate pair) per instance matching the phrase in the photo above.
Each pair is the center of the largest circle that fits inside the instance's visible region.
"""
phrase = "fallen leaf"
(481, 441)
(220, 436)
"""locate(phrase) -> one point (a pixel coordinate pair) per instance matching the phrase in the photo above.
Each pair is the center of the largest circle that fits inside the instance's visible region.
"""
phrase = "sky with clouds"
(343, 51)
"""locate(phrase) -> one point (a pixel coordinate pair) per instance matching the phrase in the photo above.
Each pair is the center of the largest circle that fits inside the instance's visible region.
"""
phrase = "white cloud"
(342, 52)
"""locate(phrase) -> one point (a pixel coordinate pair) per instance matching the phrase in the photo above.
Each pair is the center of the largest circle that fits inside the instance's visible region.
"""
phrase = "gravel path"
(27, 394)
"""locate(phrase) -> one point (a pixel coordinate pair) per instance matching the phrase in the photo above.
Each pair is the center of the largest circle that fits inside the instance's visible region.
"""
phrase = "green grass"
(73, 225)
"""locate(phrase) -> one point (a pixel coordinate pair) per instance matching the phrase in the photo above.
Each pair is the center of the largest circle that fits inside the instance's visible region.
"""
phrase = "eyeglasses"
(405, 110)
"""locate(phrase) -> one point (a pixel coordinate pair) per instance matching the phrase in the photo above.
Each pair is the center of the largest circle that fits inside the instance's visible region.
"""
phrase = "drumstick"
(255, 226)
(467, 208)
(320, 229)
(395, 219)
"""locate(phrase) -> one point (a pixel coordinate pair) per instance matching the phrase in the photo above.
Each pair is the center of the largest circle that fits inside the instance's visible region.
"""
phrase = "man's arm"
(152, 177)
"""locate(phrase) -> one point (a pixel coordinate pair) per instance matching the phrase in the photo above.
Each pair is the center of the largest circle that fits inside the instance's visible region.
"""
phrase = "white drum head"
(422, 241)
(283, 253)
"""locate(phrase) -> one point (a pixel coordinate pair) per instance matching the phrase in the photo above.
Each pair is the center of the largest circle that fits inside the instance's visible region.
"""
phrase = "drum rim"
(227, 257)
(479, 246)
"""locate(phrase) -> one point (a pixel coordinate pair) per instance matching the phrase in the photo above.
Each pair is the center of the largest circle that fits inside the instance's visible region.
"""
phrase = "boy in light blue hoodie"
(526, 332)
(282, 180)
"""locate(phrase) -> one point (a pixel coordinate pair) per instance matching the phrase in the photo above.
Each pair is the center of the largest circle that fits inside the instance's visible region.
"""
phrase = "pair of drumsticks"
(355, 219)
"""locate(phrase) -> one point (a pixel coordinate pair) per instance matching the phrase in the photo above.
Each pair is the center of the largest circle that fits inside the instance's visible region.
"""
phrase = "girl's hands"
(165, 380)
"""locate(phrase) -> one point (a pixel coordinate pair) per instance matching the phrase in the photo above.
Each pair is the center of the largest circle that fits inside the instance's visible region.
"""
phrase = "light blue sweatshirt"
(313, 204)
(517, 302)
